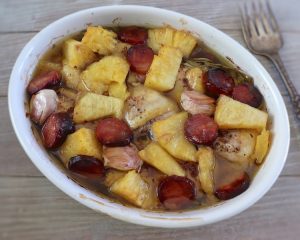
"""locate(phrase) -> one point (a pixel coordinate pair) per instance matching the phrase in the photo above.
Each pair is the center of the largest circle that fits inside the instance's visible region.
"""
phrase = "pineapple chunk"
(167, 36)
(132, 187)
(110, 69)
(179, 87)
(81, 142)
(232, 114)
(145, 104)
(194, 78)
(170, 135)
(157, 157)
(100, 40)
(71, 76)
(206, 168)
(118, 90)
(72, 79)
(93, 106)
(261, 146)
(164, 68)
(77, 55)
(112, 176)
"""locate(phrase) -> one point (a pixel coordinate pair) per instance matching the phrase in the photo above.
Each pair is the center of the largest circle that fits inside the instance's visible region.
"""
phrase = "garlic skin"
(194, 102)
(122, 158)
(42, 104)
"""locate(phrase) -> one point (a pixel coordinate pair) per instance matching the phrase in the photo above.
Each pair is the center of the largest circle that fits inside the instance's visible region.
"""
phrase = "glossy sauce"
(225, 171)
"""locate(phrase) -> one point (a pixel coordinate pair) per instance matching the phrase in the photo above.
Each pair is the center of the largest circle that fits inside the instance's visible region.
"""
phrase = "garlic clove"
(42, 104)
(122, 158)
(194, 102)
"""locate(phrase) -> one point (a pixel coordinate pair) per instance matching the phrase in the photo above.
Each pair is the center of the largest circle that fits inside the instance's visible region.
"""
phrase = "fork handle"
(293, 93)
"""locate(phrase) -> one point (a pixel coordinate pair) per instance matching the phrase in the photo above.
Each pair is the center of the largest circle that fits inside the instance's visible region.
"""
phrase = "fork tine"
(272, 18)
(265, 21)
(258, 19)
(250, 21)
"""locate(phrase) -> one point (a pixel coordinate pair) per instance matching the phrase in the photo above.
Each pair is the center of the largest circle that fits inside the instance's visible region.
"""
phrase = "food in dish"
(149, 117)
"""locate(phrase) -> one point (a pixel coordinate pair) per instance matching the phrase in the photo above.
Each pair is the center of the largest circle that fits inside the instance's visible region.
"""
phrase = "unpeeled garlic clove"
(194, 102)
(42, 105)
(122, 158)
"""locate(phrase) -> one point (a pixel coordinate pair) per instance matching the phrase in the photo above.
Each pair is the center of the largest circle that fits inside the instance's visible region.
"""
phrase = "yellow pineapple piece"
(112, 176)
(179, 87)
(206, 168)
(261, 146)
(164, 69)
(194, 78)
(157, 157)
(232, 114)
(71, 76)
(100, 40)
(170, 135)
(77, 55)
(93, 106)
(167, 36)
(118, 90)
(132, 187)
(145, 104)
(81, 142)
(110, 69)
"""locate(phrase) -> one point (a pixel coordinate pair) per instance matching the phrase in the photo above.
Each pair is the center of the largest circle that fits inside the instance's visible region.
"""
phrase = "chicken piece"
(194, 102)
(145, 104)
(122, 158)
(235, 145)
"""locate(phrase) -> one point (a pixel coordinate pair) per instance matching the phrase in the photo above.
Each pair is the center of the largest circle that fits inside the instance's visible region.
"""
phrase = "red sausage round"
(176, 192)
(50, 79)
(113, 132)
(233, 189)
(133, 35)
(217, 81)
(248, 94)
(140, 58)
(201, 129)
(56, 129)
(87, 166)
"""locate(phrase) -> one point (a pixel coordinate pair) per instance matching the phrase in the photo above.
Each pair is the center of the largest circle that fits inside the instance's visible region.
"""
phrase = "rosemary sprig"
(237, 74)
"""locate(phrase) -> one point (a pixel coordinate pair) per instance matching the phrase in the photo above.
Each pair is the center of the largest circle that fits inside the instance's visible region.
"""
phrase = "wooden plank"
(10, 45)
(34, 15)
(32, 208)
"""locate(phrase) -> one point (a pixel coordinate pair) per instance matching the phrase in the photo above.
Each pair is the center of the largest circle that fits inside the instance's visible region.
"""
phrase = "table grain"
(33, 208)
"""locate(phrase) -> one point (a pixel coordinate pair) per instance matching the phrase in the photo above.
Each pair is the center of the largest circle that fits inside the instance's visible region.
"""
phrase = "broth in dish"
(149, 117)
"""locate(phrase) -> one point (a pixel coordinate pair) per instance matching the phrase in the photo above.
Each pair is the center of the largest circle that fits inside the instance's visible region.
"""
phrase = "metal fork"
(262, 36)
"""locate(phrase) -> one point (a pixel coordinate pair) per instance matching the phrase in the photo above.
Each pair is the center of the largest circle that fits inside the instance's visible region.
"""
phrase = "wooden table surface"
(33, 208)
